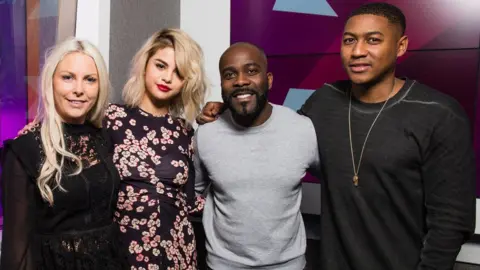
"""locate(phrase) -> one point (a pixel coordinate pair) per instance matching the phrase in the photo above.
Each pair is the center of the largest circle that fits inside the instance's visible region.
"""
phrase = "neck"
(75, 121)
(256, 120)
(377, 91)
(154, 107)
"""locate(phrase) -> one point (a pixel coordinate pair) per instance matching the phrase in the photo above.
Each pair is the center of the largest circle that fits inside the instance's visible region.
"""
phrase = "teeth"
(243, 96)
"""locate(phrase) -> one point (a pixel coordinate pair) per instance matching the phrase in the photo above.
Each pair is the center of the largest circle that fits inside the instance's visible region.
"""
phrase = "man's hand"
(210, 112)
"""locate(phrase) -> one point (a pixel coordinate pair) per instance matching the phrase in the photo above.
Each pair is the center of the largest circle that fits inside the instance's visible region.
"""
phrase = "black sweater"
(415, 203)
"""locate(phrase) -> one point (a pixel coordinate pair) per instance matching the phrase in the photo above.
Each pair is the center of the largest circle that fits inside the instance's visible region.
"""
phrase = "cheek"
(385, 58)
(92, 92)
(344, 59)
(177, 85)
(150, 75)
(226, 87)
(61, 88)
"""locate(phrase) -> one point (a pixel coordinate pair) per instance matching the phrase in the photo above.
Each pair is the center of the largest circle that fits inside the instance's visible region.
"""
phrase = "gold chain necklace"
(356, 169)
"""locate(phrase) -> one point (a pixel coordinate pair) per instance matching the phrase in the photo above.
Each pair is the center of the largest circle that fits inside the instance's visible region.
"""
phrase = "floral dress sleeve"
(195, 202)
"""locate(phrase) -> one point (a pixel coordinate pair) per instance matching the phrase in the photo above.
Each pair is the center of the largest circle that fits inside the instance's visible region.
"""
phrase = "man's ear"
(270, 80)
(402, 46)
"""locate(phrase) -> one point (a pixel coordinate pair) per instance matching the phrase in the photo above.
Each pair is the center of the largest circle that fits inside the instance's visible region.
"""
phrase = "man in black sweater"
(398, 167)
(399, 171)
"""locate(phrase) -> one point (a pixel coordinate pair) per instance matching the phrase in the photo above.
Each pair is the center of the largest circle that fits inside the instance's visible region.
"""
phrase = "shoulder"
(27, 148)
(293, 121)
(113, 114)
(28, 138)
(285, 114)
(325, 95)
(209, 131)
(438, 103)
(224, 121)
(335, 88)
(207, 128)
(115, 111)
(183, 125)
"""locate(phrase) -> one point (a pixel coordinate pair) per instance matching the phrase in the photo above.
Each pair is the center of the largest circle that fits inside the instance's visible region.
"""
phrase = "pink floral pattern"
(153, 156)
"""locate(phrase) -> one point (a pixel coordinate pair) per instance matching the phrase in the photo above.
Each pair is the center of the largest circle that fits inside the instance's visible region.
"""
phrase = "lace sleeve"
(17, 199)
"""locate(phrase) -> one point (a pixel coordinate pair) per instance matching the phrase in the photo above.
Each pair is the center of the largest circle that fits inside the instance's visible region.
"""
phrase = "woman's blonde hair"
(189, 62)
(51, 130)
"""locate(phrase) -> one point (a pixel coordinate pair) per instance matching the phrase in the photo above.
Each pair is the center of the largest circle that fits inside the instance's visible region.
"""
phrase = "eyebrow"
(229, 68)
(72, 73)
(233, 69)
(160, 60)
(371, 33)
(251, 64)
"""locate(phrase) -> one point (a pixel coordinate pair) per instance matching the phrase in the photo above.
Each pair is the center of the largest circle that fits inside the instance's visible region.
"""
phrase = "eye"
(252, 71)
(91, 80)
(160, 65)
(228, 75)
(66, 77)
(348, 41)
(373, 40)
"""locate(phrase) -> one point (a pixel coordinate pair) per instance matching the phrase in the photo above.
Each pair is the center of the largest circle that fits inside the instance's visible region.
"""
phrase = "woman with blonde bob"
(59, 183)
(152, 138)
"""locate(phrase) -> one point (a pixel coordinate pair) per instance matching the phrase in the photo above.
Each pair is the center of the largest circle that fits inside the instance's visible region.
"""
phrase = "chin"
(162, 96)
(248, 113)
(362, 79)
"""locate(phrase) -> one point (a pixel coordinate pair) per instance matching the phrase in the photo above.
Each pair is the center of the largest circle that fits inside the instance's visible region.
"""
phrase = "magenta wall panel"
(302, 42)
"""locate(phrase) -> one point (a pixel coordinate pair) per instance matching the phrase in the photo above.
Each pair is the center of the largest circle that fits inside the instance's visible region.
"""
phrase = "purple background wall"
(13, 90)
(14, 63)
(302, 42)
(13, 51)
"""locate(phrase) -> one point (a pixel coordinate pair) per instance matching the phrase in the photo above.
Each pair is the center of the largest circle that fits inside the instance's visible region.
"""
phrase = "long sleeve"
(449, 186)
(195, 202)
(17, 199)
(107, 129)
(314, 161)
(202, 181)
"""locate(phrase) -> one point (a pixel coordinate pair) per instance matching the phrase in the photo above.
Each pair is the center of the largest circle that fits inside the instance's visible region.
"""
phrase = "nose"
(359, 50)
(241, 80)
(167, 78)
(79, 88)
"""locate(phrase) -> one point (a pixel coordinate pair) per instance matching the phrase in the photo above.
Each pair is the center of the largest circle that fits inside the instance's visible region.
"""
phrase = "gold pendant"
(355, 180)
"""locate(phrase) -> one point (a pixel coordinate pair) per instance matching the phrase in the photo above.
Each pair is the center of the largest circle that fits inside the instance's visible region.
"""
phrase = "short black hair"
(263, 55)
(393, 14)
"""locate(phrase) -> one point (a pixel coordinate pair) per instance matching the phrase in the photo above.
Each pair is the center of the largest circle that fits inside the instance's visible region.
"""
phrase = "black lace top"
(77, 231)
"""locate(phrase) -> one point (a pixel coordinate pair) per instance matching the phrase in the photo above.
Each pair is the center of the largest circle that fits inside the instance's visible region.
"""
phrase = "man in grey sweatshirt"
(251, 162)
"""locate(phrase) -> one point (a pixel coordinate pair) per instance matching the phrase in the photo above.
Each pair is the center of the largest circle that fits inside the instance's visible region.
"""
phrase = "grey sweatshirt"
(253, 176)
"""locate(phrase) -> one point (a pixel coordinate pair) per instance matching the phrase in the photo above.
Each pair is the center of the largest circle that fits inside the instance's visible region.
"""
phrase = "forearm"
(449, 176)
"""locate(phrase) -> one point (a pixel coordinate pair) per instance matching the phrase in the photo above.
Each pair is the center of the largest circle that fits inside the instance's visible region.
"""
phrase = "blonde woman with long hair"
(152, 138)
(59, 183)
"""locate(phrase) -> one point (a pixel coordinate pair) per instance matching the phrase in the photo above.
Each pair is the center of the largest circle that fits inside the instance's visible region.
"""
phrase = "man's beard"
(260, 98)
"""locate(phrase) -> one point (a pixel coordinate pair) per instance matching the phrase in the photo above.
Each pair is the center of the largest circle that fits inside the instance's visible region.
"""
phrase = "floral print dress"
(154, 158)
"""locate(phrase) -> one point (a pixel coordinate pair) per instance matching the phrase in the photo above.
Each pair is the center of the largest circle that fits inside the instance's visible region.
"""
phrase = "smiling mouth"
(76, 102)
(243, 96)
